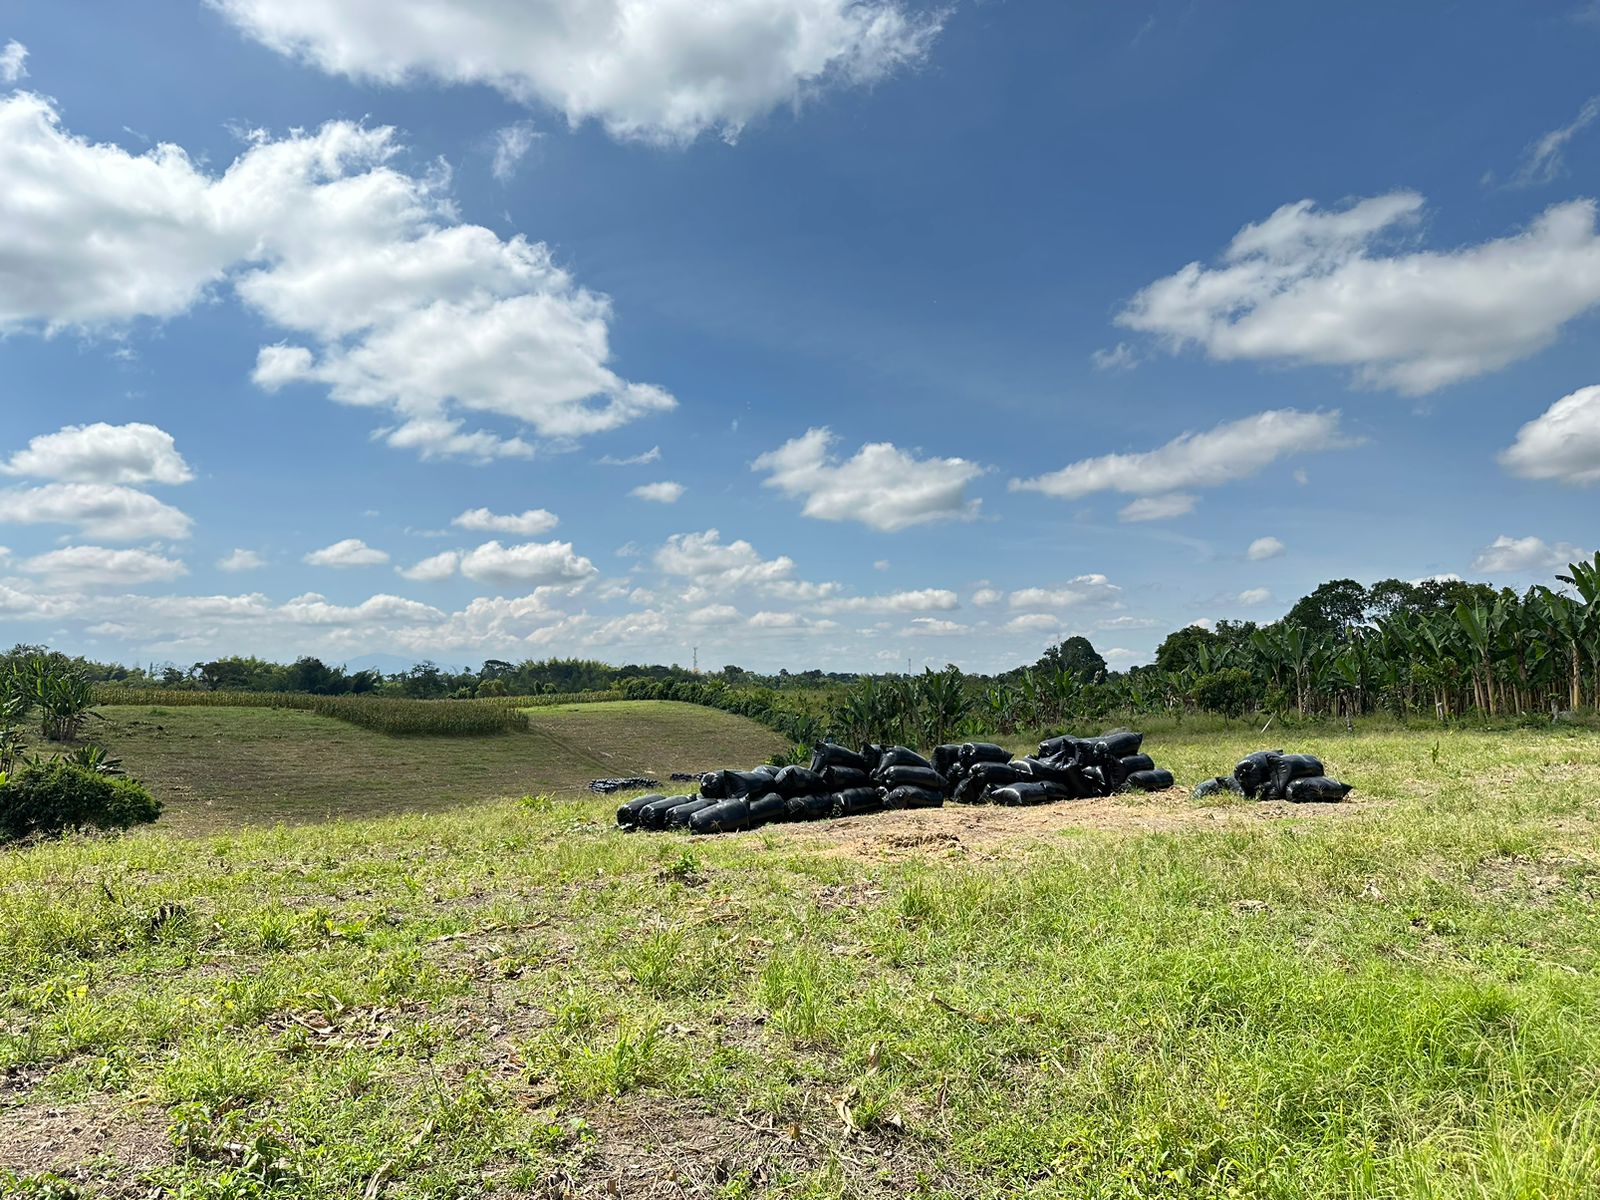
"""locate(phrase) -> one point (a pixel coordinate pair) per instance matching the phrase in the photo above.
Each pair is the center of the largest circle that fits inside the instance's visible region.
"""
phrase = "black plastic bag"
(1317, 789)
(797, 781)
(729, 785)
(1037, 792)
(1286, 768)
(901, 756)
(1222, 783)
(1112, 773)
(1254, 771)
(841, 779)
(809, 808)
(871, 753)
(922, 777)
(628, 814)
(947, 759)
(1120, 743)
(1137, 762)
(980, 752)
(1148, 781)
(1094, 778)
(729, 816)
(654, 814)
(1057, 747)
(913, 797)
(678, 817)
(606, 787)
(771, 807)
(858, 800)
(831, 754)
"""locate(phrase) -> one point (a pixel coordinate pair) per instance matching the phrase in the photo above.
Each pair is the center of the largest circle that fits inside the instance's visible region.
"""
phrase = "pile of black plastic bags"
(841, 782)
(1275, 775)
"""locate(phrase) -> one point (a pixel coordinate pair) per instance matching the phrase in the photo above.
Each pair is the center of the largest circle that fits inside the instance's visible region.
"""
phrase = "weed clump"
(50, 798)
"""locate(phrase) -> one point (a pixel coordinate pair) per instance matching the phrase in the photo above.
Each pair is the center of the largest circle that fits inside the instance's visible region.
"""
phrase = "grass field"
(1396, 997)
(217, 768)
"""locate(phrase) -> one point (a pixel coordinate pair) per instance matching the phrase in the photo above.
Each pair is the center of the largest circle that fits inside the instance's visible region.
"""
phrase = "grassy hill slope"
(217, 768)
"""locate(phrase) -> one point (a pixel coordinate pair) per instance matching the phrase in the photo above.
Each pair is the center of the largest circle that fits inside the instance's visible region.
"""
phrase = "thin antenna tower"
(697, 660)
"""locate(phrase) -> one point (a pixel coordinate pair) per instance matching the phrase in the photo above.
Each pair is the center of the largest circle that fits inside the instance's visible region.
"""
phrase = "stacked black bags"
(1065, 768)
(1274, 775)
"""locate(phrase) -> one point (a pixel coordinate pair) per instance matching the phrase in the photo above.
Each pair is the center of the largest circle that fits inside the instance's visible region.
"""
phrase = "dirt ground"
(987, 831)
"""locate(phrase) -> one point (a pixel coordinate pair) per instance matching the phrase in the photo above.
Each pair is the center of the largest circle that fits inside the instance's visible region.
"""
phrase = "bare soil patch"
(80, 1142)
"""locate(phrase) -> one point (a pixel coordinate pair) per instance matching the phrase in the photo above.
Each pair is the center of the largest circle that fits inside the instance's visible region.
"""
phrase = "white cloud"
(934, 627)
(241, 560)
(511, 144)
(1232, 451)
(531, 523)
(351, 552)
(882, 486)
(657, 70)
(432, 569)
(1512, 556)
(881, 564)
(986, 596)
(1310, 286)
(1264, 548)
(1563, 443)
(1082, 590)
(103, 511)
(1128, 623)
(1157, 508)
(407, 310)
(1254, 596)
(1545, 160)
(665, 492)
(88, 566)
(13, 62)
(704, 558)
(638, 460)
(1120, 357)
(921, 600)
(714, 614)
(1033, 623)
(102, 453)
(526, 565)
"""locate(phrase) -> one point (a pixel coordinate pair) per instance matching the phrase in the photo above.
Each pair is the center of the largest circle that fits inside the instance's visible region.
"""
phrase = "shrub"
(51, 797)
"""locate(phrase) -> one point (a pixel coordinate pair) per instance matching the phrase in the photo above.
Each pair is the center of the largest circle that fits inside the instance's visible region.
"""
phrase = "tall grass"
(398, 718)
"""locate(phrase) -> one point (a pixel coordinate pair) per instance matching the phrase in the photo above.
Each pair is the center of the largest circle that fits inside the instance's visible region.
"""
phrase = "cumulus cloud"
(101, 453)
(1033, 623)
(1157, 508)
(1264, 548)
(1253, 596)
(716, 565)
(511, 145)
(527, 565)
(986, 596)
(531, 523)
(432, 569)
(13, 62)
(89, 566)
(103, 511)
(665, 492)
(1512, 556)
(1545, 160)
(1120, 357)
(1232, 451)
(1314, 286)
(1563, 443)
(351, 552)
(920, 600)
(401, 307)
(661, 71)
(714, 614)
(1083, 590)
(882, 486)
(241, 560)
(934, 627)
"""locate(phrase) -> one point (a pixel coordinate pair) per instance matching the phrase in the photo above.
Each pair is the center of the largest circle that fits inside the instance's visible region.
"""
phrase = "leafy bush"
(51, 797)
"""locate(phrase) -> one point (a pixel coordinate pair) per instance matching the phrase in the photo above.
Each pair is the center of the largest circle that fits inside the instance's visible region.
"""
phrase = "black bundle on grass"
(628, 814)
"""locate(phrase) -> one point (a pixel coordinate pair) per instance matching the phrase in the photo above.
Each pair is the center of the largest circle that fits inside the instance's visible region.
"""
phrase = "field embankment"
(221, 767)
(520, 1001)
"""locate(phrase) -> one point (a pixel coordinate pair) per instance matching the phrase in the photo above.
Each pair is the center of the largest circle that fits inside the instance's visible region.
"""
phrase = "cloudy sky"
(839, 333)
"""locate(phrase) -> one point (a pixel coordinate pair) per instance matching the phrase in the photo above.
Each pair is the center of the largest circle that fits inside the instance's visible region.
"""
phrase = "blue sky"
(837, 333)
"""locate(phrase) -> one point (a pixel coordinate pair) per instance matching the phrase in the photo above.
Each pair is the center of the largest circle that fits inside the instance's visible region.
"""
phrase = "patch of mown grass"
(1397, 1001)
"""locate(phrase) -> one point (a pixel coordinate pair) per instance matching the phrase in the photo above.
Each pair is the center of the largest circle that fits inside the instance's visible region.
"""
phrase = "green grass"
(384, 714)
(217, 768)
(1395, 1000)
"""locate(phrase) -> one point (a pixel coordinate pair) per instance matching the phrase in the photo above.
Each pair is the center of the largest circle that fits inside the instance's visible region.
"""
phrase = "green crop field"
(1396, 997)
(220, 767)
